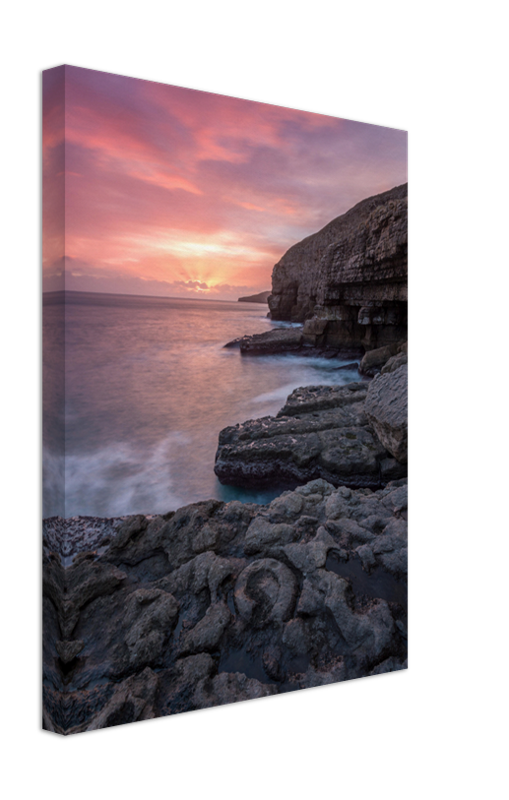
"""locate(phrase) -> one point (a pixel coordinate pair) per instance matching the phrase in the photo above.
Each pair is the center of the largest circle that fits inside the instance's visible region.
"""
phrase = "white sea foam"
(317, 371)
(285, 324)
(154, 371)
(52, 484)
(281, 393)
(122, 479)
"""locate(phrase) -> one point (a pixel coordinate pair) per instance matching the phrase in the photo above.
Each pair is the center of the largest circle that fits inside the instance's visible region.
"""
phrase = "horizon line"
(151, 296)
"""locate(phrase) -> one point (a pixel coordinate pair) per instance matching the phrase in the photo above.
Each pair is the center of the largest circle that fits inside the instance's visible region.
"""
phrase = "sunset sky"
(176, 192)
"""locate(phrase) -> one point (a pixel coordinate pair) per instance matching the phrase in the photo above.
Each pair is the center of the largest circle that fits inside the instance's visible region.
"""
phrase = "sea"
(136, 390)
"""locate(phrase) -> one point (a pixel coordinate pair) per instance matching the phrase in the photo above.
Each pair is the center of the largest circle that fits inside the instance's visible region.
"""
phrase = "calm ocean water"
(148, 387)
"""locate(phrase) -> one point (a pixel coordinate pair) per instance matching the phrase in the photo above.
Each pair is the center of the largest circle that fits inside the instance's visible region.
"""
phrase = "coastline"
(219, 602)
(148, 616)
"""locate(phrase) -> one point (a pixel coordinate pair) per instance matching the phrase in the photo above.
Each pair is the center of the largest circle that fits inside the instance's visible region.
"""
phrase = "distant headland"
(262, 297)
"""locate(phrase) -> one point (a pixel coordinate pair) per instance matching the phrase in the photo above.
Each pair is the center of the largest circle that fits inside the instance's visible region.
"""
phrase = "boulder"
(384, 359)
(386, 408)
(373, 360)
(393, 363)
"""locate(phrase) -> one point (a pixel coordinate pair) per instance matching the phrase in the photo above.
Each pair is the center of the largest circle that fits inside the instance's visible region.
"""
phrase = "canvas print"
(225, 400)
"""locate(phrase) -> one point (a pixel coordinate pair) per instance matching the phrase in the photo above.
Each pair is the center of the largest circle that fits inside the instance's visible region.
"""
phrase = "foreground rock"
(348, 282)
(321, 432)
(218, 603)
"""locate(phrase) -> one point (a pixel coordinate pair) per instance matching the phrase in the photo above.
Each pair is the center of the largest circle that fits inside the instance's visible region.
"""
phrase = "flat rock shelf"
(321, 432)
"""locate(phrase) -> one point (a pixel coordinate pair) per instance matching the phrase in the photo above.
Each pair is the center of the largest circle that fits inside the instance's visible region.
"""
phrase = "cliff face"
(348, 282)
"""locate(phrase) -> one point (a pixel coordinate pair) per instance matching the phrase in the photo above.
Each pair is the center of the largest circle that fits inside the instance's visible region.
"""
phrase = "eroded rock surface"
(321, 432)
(219, 603)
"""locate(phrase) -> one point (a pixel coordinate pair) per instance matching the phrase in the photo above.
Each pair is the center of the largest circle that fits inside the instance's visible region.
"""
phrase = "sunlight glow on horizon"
(173, 191)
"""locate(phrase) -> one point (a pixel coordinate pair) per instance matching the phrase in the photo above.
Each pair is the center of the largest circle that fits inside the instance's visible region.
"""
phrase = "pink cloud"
(167, 184)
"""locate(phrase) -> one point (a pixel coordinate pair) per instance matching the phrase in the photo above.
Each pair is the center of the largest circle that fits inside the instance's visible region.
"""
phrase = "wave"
(279, 323)
(122, 479)
(281, 393)
(53, 477)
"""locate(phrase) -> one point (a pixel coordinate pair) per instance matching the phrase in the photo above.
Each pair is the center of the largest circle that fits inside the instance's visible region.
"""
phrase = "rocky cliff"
(348, 282)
